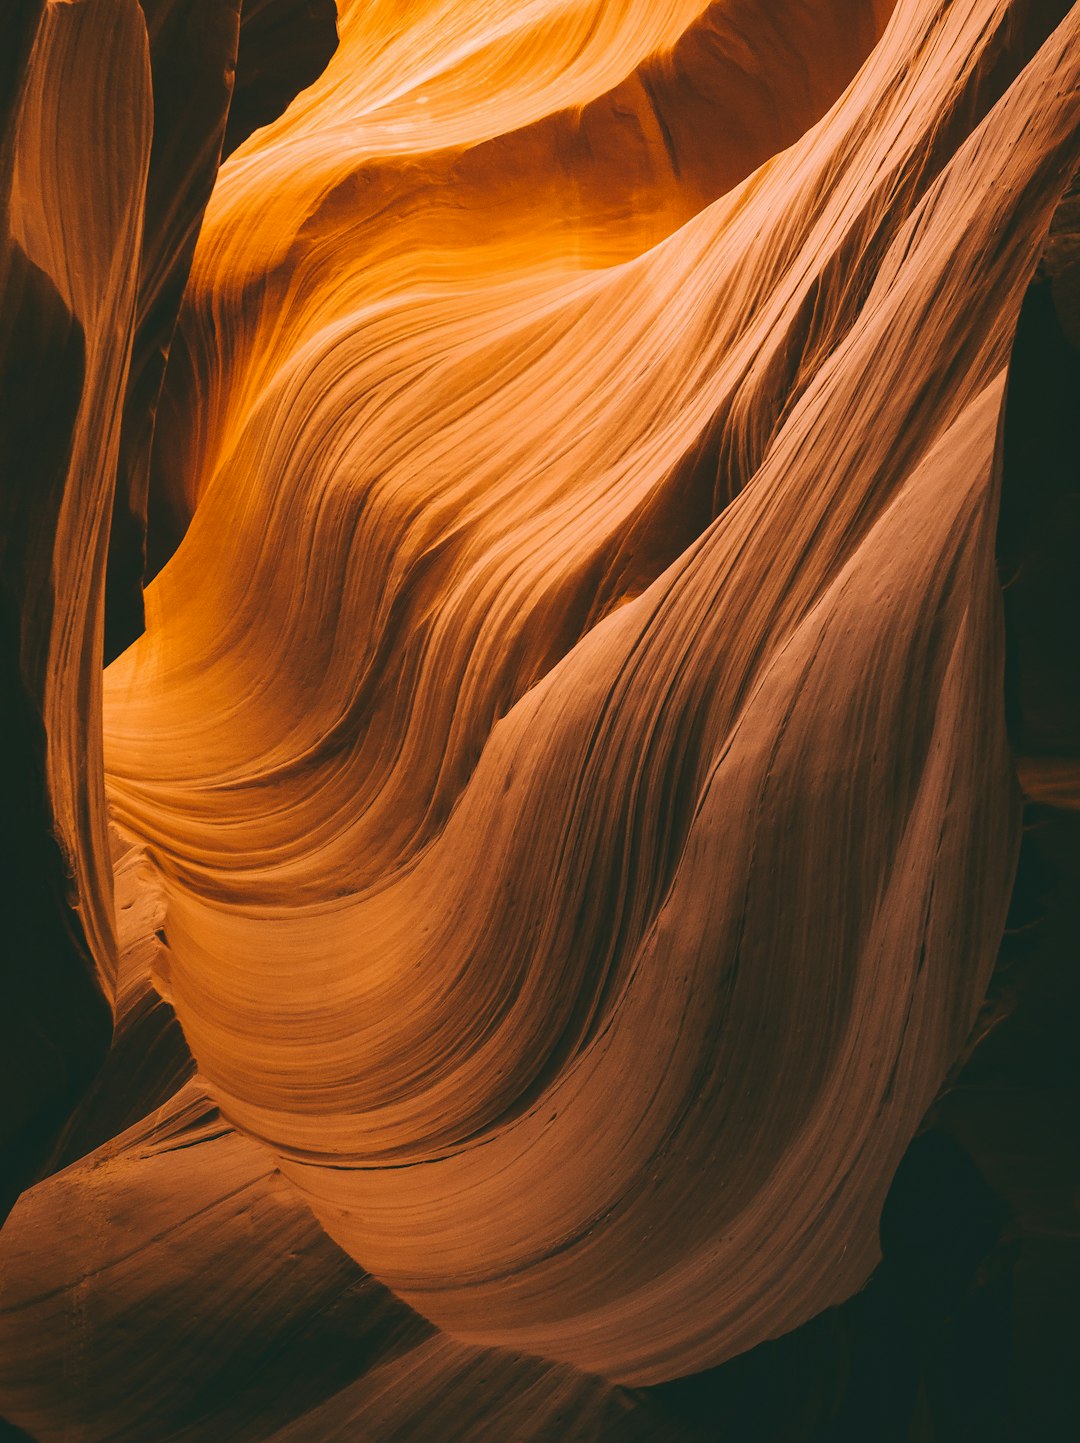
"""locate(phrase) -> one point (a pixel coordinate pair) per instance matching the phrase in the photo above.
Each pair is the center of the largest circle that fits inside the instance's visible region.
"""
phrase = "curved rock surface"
(566, 792)
(493, 804)
(71, 231)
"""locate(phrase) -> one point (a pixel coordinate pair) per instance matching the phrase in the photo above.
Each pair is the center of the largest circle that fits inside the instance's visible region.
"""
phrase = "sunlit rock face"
(563, 798)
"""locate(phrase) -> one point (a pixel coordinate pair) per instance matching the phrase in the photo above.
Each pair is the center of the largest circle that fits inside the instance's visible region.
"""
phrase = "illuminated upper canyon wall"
(373, 201)
(566, 757)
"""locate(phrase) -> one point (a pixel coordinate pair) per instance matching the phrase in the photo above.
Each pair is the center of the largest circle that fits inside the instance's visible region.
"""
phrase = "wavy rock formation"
(376, 194)
(72, 229)
(285, 1338)
(566, 791)
(112, 120)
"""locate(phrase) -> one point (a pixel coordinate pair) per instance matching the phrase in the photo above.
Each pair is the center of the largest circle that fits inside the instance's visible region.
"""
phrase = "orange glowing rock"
(563, 788)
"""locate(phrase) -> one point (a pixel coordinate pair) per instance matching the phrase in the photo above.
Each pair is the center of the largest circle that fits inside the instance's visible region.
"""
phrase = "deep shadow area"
(922, 1352)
